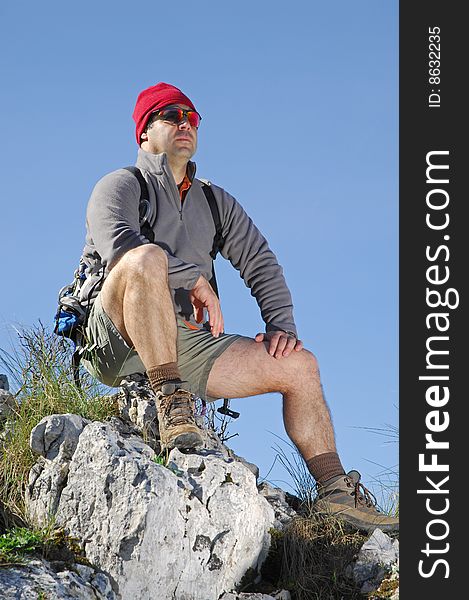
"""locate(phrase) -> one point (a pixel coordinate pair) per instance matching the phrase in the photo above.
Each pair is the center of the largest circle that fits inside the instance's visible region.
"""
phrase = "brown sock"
(325, 466)
(160, 374)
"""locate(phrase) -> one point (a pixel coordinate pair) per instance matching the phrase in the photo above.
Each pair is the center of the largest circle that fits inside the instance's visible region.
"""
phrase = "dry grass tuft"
(316, 552)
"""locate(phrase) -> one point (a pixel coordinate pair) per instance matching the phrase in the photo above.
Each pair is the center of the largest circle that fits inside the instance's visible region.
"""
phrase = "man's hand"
(281, 344)
(202, 296)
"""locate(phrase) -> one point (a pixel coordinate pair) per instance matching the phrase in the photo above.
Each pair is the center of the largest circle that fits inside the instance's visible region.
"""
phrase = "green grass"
(40, 370)
(18, 542)
(161, 458)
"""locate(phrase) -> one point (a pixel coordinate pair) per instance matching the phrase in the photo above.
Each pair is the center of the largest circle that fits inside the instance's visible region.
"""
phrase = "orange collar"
(184, 186)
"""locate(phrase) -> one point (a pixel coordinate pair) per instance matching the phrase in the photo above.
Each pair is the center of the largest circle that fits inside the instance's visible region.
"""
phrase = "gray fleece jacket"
(185, 232)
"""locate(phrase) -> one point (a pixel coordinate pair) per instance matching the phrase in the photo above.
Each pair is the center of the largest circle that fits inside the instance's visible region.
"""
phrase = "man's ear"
(144, 136)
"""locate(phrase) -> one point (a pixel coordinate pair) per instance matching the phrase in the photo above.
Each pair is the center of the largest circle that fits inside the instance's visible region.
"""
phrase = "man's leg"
(136, 298)
(246, 369)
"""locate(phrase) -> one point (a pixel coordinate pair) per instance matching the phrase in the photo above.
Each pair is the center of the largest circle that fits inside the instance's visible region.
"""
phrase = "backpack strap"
(144, 207)
(218, 240)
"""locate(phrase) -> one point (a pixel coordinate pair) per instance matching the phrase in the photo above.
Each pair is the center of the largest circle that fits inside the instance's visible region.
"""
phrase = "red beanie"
(153, 98)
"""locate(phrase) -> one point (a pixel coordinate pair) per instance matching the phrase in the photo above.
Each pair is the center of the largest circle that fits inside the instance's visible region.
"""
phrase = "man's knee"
(148, 262)
(302, 370)
(304, 364)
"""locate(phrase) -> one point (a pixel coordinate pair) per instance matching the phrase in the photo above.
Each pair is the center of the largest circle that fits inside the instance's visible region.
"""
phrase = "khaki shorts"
(109, 358)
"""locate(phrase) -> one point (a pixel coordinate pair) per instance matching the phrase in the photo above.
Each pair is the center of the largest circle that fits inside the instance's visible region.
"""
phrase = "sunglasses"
(176, 116)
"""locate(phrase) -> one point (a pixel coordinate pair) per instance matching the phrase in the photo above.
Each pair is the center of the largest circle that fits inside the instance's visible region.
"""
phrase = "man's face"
(178, 141)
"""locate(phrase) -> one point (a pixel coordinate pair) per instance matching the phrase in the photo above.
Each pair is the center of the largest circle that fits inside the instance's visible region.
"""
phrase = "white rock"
(279, 595)
(7, 404)
(57, 432)
(27, 581)
(276, 497)
(55, 438)
(374, 561)
(187, 532)
(4, 382)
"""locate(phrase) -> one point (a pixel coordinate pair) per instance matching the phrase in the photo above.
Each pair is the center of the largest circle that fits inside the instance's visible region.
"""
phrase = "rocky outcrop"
(4, 385)
(55, 439)
(189, 530)
(377, 560)
(178, 527)
(8, 406)
(38, 579)
(7, 400)
(278, 595)
(277, 498)
(137, 408)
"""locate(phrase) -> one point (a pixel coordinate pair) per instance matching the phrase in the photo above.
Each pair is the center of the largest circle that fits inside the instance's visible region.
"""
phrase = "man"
(149, 301)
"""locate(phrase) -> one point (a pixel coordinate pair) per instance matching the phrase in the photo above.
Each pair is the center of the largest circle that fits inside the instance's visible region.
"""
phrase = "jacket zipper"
(174, 188)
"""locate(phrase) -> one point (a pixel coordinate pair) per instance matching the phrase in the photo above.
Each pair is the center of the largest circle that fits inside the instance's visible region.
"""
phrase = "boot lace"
(362, 495)
(177, 408)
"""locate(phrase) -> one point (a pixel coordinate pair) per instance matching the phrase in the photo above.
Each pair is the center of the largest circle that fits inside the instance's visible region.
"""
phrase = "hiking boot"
(347, 499)
(176, 419)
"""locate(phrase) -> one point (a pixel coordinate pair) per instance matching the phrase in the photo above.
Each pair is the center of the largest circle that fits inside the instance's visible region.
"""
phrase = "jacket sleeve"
(112, 216)
(113, 225)
(248, 251)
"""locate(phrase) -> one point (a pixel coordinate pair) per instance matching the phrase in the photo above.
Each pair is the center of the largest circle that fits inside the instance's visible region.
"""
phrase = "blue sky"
(300, 123)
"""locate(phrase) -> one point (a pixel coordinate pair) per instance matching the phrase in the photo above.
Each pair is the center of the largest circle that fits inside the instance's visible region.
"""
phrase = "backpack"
(71, 316)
